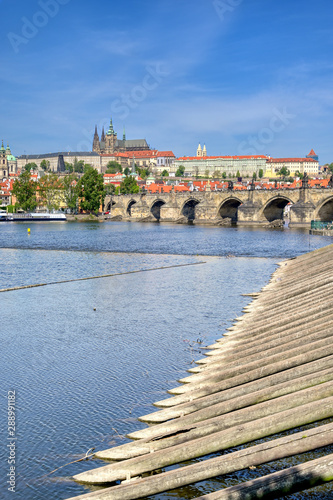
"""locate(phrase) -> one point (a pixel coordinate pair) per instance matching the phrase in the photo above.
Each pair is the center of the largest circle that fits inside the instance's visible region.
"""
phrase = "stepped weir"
(271, 372)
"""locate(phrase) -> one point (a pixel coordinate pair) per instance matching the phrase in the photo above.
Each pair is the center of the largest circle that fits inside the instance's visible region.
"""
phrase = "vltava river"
(86, 358)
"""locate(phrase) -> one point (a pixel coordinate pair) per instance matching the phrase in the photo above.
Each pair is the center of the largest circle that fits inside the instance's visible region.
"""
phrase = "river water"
(86, 358)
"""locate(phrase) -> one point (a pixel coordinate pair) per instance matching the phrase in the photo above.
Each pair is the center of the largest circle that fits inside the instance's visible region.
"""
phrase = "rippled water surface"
(86, 358)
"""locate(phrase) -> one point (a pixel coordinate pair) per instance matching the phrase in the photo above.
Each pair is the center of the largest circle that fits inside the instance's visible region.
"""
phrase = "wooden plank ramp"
(271, 372)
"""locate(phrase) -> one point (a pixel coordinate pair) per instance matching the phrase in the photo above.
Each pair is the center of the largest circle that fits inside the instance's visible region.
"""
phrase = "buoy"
(29, 230)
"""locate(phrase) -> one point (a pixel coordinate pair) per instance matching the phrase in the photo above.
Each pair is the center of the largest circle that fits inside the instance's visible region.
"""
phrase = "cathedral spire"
(96, 141)
(103, 135)
(111, 131)
(2, 146)
(124, 135)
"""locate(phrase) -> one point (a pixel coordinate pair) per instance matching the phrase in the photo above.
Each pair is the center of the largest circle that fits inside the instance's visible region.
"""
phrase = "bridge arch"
(188, 209)
(109, 205)
(324, 211)
(155, 208)
(229, 209)
(274, 208)
(129, 207)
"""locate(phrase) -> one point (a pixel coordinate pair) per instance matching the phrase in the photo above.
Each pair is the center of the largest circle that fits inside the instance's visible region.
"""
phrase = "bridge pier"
(206, 213)
(248, 214)
(302, 212)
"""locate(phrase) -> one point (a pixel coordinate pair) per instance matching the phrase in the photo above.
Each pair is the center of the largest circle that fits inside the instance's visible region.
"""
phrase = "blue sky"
(241, 76)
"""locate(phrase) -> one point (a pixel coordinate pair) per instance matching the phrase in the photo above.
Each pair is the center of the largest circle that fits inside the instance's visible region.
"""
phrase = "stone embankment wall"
(271, 372)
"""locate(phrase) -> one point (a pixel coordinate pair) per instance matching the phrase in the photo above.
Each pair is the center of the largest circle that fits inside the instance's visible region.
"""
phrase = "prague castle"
(110, 144)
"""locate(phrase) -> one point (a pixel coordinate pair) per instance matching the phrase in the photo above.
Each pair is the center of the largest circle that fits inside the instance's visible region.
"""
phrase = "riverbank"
(85, 218)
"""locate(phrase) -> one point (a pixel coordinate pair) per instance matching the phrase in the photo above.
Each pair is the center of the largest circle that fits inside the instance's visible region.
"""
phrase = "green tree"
(30, 166)
(180, 171)
(165, 173)
(238, 173)
(207, 172)
(224, 175)
(113, 167)
(143, 172)
(261, 173)
(69, 167)
(110, 189)
(91, 190)
(45, 165)
(127, 171)
(50, 191)
(129, 185)
(299, 174)
(71, 191)
(284, 172)
(78, 166)
(24, 189)
(254, 175)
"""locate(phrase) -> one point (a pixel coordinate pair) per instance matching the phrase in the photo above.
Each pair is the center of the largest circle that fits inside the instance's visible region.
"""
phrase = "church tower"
(110, 139)
(96, 146)
(204, 151)
(103, 135)
(199, 150)
(3, 162)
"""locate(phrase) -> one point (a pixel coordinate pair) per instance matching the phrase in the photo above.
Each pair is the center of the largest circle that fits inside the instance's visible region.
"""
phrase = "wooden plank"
(241, 390)
(279, 484)
(218, 441)
(266, 452)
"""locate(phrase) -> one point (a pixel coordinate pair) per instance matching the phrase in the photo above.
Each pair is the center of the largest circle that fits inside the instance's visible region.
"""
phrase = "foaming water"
(87, 358)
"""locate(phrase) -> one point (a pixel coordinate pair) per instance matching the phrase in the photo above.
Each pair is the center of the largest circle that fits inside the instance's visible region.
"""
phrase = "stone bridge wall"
(258, 207)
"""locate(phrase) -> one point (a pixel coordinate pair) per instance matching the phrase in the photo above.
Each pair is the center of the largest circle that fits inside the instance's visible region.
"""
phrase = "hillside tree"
(91, 190)
(25, 189)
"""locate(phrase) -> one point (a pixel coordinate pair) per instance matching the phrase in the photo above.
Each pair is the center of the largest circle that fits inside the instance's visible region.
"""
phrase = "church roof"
(312, 153)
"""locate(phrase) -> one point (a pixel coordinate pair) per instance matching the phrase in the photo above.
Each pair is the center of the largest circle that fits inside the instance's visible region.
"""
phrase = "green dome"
(11, 158)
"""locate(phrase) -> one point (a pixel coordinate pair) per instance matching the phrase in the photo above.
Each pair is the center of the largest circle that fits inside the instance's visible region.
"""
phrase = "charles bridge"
(244, 208)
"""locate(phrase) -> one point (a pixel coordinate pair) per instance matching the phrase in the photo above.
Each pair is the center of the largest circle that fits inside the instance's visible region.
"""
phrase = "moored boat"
(35, 217)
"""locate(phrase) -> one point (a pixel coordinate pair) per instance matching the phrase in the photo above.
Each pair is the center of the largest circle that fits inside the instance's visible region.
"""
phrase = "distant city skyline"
(241, 77)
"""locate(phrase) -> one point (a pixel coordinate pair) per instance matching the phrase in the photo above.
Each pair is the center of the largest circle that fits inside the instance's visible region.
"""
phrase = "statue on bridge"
(305, 181)
(230, 185)
(252, 186)
(330, 182)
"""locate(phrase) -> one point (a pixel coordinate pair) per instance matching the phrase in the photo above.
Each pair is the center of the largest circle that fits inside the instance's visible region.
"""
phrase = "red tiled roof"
(166, 153)
(200, 158)
(312, 153)
(290, 160)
